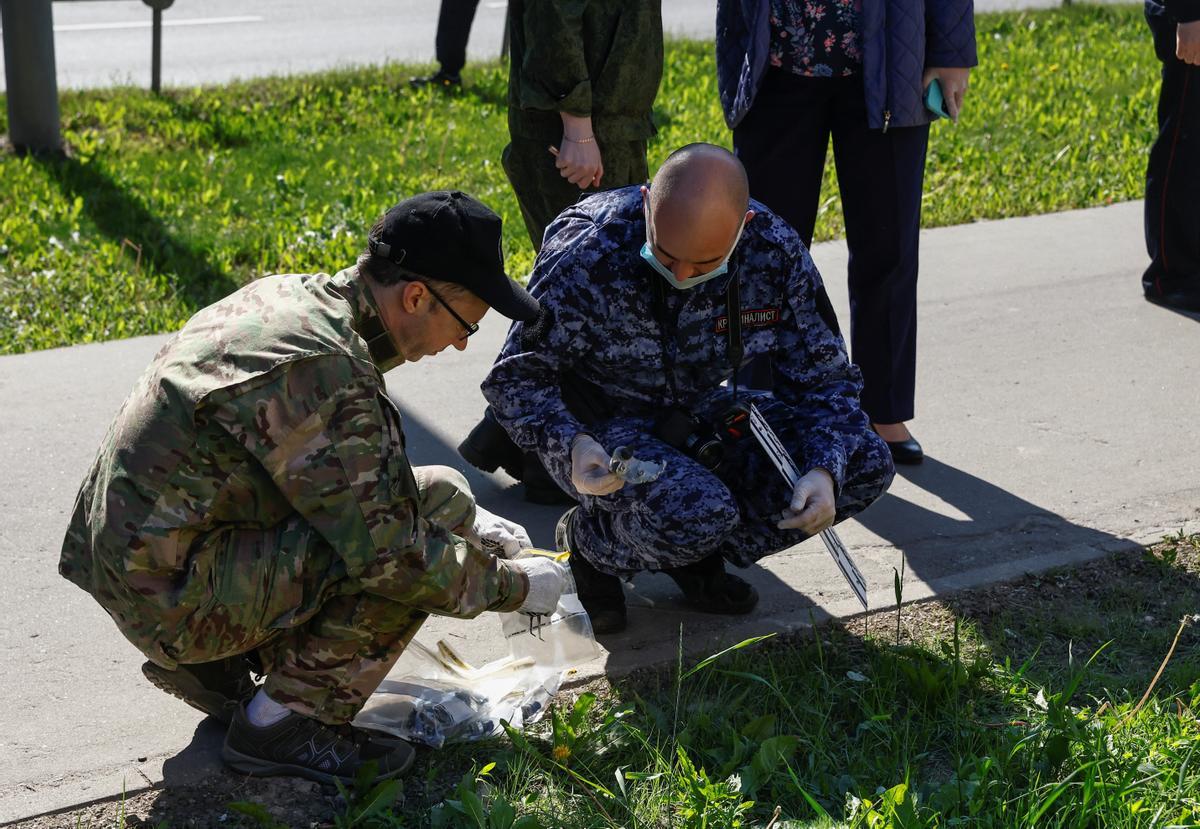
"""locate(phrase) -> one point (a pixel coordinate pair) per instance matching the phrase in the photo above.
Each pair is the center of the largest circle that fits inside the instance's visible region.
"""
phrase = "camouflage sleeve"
(523, 386)
(815, 374)
(325, 432)
(554, 72)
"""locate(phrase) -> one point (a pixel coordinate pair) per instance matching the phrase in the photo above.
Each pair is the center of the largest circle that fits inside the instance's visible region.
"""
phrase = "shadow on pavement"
(1067, 613)
(993, 521)
(199, 759)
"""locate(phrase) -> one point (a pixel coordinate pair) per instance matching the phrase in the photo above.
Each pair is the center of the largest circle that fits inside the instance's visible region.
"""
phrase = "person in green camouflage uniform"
(583, 77)
(254, 495)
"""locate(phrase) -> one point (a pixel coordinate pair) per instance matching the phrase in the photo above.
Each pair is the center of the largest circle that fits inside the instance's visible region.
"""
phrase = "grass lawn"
(169, 202)
(1014, 706)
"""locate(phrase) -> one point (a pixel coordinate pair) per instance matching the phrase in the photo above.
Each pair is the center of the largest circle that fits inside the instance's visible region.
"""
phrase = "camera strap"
(733, 307)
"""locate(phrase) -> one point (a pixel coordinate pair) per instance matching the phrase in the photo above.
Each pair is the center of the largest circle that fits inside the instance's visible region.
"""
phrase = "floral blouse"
(816, 38)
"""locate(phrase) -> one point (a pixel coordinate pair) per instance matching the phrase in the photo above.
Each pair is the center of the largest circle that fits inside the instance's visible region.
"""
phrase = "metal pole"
(156, 52)
(504, 38)
(29, 73)
(157, 8)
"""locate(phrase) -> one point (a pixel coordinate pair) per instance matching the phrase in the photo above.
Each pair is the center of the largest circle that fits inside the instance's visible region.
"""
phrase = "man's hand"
(1187, 42)
(547, 578)
(812, 508)
(589, 468)
(954, 86)
(578, 157)
(497, 535)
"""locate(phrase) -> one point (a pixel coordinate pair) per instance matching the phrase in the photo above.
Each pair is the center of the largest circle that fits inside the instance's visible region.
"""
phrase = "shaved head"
(699, 179)
(696, 207)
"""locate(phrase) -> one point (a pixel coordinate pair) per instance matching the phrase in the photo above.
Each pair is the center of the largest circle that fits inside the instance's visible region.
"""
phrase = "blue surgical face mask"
(691, 281)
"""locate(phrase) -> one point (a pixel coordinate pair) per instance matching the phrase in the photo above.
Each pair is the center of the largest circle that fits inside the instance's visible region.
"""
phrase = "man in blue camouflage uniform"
(581, 87)
(253, 502)
(635, 289)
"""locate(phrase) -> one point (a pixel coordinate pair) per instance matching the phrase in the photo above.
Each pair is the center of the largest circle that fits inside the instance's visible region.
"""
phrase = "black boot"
(708, 588)
(600, 594)
(540, 488)
(488, 447)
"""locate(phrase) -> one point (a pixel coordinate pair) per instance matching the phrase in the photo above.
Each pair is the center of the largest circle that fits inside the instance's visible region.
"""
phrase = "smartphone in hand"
(935, 101)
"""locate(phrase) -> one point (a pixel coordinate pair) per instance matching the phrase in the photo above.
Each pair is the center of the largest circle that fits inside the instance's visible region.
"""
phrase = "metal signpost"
(158, 6)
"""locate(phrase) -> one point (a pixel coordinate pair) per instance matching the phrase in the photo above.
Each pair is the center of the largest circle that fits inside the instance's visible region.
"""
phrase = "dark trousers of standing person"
(782, 142)
(542, 192)
(1173, 179)
(453, 31)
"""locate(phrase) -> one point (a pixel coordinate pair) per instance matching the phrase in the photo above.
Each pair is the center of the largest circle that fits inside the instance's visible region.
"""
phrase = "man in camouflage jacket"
(636, 287)
(253, 496)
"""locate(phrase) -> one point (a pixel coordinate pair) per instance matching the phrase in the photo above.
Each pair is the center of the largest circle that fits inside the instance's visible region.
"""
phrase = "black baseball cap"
(449, 236)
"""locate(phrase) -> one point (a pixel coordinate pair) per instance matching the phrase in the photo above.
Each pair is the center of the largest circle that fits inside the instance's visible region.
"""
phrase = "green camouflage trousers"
(326, 660)
(543, 193)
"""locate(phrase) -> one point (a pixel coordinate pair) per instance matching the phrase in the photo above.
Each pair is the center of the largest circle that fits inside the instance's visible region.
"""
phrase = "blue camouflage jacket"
(602, 322)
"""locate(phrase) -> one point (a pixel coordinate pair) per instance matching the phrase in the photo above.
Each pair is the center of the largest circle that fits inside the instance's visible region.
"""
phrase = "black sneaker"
(216, 688)
(600, 594)
(440, 80)
(708, 588)
(304, 747)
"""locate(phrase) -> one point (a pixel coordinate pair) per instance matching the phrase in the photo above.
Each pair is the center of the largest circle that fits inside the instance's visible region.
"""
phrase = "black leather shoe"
(1178, 300)
(708, 588)
(906, 451)
(440, 80)
(488, 447)
(600, 594)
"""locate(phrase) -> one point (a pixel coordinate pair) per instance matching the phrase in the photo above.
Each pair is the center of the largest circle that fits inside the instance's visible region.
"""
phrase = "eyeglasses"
(469, 327)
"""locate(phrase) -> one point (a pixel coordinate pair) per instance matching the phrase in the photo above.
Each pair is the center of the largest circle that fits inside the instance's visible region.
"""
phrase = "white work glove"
(497, 535)
(590, 474)
(547, 578)
(812, 508)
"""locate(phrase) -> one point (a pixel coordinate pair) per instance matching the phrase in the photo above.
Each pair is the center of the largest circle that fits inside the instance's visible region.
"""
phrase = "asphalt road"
(213, 41)
(107, 43)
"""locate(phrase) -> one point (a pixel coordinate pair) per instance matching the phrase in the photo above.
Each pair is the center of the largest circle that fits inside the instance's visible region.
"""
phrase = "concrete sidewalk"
(1053, 401)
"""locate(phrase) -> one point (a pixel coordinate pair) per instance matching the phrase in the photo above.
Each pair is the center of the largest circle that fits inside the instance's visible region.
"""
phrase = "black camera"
(704, 442)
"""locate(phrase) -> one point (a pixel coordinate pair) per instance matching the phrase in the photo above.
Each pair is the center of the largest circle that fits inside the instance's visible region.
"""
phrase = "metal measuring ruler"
(771, 444)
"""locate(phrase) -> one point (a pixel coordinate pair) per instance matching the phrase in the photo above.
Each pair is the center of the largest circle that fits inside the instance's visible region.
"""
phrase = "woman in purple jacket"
(793, 73)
